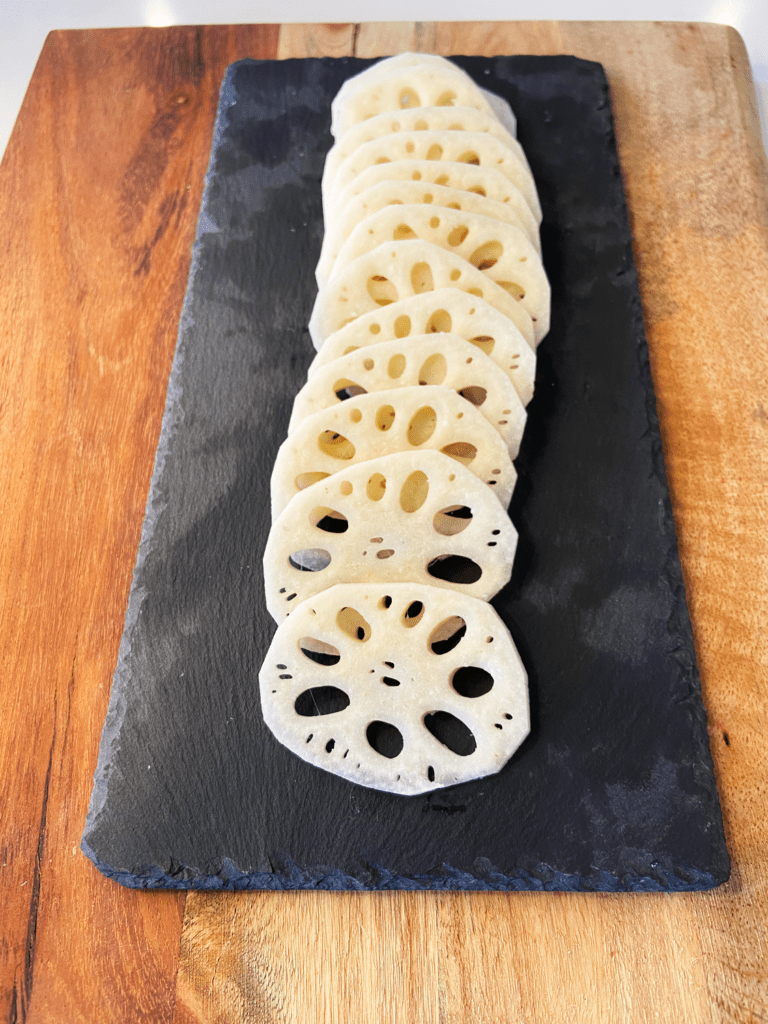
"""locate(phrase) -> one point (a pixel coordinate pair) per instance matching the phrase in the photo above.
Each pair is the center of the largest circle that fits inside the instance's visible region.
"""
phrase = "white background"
(24, 24)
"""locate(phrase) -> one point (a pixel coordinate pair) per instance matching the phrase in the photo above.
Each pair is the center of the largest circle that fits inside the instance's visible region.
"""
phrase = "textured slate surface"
(614, 788)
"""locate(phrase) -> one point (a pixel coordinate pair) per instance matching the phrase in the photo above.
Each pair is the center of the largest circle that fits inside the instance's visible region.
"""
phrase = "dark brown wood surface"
(99, 193)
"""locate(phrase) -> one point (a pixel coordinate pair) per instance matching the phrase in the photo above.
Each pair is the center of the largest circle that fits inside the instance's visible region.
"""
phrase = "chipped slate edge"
(442, 879)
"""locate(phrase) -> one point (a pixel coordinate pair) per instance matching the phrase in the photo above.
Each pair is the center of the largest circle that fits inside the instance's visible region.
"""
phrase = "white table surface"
(24, 25)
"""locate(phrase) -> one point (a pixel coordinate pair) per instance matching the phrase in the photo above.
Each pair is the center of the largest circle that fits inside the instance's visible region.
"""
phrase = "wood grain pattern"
(325, 961)
(99, 192)
(101, 186)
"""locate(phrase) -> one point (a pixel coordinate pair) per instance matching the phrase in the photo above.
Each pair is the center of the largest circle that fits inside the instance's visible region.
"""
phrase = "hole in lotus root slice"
(376, 487)
(310, 559)
(452, 520)
(351, 622)
(304, 480)
(469, 157)
(515, 290)
(389, 681)
(455, 569)
(484, 342)
(422, 426)
(433, 369)
(381, 290)
(447, 634)
(421, 278)
(318, 651)
(335, 445)
(402, 232)
(457, 235)
(451, 732)
(328, 520)
(413, 614)
(487, 255)
(474, 394)
(439, 322)
(435, 152)
(320, 701)
(402, 326)
(396, 366)
(344, 389)
(409, 98)
(385, 738)
(461, 451)
(385, 417)
(472, 681)
(414, 492)
(446, 99)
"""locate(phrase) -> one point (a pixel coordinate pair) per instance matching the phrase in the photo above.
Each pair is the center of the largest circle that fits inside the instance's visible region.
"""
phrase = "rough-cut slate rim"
(289, 877)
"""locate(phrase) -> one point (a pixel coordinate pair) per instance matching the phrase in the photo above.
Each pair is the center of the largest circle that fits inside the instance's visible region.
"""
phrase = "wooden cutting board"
(100, 187)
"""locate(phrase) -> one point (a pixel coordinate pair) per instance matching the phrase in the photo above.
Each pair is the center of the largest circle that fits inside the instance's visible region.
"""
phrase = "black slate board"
(614, 788)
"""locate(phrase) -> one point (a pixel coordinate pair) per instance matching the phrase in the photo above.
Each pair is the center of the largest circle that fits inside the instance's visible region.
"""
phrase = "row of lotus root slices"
(389, 496)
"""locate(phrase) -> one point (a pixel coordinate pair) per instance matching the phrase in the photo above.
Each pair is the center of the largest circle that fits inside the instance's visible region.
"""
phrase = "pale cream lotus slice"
(415, 119)
(501, 109)
(442, 359)
(403, 419)
(400, 687)
(413, 516)
(395, 193)
(397, 270)
(499, 250)
(482, 181)
(473, 148)
(469, 318)
(387, 66)
(399, 88)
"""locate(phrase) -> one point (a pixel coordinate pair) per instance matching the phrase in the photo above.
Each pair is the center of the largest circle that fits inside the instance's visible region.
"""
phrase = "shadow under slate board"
(613, 789)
